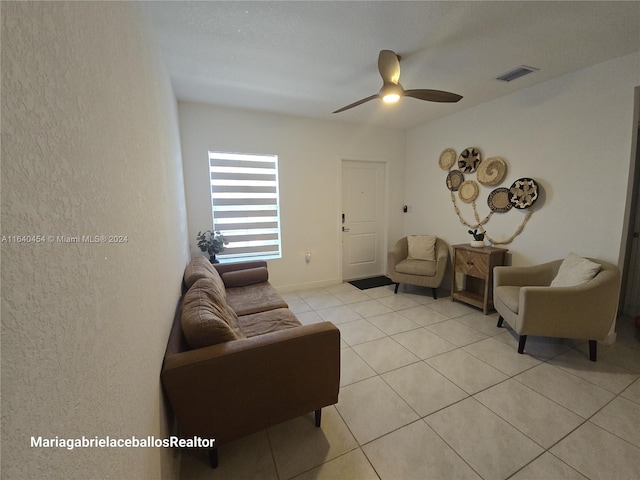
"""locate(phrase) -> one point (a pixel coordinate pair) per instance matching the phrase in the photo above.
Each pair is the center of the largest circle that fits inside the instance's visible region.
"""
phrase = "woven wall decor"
(469, 160)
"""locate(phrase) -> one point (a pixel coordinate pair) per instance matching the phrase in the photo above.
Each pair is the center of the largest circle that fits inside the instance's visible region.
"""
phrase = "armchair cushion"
(575, 270)
(417, 267)
(206, 319)
(422, 247)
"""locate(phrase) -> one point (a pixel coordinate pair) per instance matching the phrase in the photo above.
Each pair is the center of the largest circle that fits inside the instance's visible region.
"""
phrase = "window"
(246, 206)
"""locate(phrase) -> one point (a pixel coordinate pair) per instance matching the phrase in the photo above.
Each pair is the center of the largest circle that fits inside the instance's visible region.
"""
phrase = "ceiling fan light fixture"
(391, 92)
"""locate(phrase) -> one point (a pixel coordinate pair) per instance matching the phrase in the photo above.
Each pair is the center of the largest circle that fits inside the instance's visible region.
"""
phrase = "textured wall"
(89, 147)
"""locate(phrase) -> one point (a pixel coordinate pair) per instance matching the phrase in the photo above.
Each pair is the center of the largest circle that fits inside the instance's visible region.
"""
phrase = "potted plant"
(212, 243)
(478, 238)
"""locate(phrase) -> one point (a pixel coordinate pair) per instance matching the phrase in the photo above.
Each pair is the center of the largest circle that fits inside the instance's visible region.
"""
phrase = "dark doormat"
(373, 282)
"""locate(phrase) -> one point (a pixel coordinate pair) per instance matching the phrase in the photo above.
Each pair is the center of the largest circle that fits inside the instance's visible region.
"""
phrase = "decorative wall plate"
(492, 171)
(454, 180)
(498, 200)
(468, 191)
(469, 160)
(447, 158)
(523, 193)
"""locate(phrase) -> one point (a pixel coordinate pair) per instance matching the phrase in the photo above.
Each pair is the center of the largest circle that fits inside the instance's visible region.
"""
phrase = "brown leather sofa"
(268, 367)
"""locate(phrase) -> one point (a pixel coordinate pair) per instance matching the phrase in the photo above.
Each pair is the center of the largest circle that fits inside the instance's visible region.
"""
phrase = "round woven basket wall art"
(469, 160)
(447, 158)
(454, 180)
(523, 193)
(498, 200)
(468, 191)
(492, 171)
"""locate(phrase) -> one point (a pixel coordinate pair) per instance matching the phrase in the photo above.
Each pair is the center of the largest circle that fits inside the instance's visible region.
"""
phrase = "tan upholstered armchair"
(524, 298)
(414, 271)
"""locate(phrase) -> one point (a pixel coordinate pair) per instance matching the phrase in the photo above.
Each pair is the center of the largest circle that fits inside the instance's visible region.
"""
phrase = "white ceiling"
(311, 58)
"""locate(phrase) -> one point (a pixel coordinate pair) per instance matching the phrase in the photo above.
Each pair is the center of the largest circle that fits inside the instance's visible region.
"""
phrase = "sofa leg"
(318, 417)
(396, 290)
(593, 350)
(500, 320)
(213, 457)
(435, 293)
(523, 339)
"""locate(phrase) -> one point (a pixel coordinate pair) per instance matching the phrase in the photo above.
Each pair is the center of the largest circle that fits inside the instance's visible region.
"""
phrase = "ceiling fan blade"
(355, 104)
(433, 95)
(389, 66)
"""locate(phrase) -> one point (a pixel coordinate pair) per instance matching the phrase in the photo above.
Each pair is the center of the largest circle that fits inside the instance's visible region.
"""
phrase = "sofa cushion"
(244, 277)
(259, 297)
(510, 296)
(575, 270)
(422, 247)
(417, 267)
(206, 319)
(267, 322)
(200, 267)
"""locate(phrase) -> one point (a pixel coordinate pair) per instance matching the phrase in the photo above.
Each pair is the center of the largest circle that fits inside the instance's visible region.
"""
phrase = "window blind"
(245, 204)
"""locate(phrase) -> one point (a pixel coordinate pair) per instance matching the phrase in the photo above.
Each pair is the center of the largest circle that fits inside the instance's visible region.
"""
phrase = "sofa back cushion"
(200, 267)
(245, 277)
(206, 318)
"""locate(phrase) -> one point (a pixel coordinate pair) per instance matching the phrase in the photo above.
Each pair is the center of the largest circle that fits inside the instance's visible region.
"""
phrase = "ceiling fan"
(391, 91)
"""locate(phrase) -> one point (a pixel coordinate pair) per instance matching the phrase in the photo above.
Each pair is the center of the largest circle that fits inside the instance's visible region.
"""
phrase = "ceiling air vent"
(521, 71)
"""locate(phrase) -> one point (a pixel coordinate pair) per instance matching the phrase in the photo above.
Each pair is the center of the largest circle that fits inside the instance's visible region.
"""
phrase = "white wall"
(90, 146)
(573, 135)
(309, 155)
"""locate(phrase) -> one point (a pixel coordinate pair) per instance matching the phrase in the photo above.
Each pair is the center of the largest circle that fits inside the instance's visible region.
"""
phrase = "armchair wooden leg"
(435, 293)
(500, 320)
(396, 290)
(318, 417)
(213, 457)
(523, 339)
(593, 350)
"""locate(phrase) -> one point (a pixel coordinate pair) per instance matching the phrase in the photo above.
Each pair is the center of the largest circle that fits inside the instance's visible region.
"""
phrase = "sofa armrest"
(536, 275)
(229, 390)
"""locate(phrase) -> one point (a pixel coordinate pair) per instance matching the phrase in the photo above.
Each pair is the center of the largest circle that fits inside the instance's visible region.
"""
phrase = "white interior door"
(363, 222)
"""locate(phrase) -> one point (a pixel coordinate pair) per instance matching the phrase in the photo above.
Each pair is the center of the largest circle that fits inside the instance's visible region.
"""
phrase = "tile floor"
(432, 389)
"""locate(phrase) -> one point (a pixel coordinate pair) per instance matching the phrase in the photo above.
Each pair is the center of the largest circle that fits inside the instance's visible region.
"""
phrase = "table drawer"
(472, 264)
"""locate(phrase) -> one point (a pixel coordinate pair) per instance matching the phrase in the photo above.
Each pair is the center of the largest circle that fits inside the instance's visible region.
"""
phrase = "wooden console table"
(476, 264)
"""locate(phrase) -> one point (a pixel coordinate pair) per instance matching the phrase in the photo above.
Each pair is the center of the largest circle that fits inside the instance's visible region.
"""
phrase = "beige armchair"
(524, 298)
(423, 273)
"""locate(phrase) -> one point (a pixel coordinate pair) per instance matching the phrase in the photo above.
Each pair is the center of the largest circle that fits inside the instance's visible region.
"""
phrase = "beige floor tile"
(466, 371)
(392, 323)
(602, 373)
(339, 314)
(248, 457)
(423, 343)
(350, 466)
(574, 393)
(341, 288)
(298, 305)
(541, 348)
(501, 356)
(322, 301)
(309, 317)
(487, 324)
(311, 292)
(596, 454)
(464, 427)
(451, 309)
(353, 296)
(422, 296)
(416, 452)
(385, 354)
(353, 368)
(620, 355)
(622, 418)
(423, 315)
(372, 409)
(632, 392)
(397, 302)
(542, 420)
(369, 308)
(299, 446)
(423, 388)
(549, 467)
(359, 331)
(456, 333)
